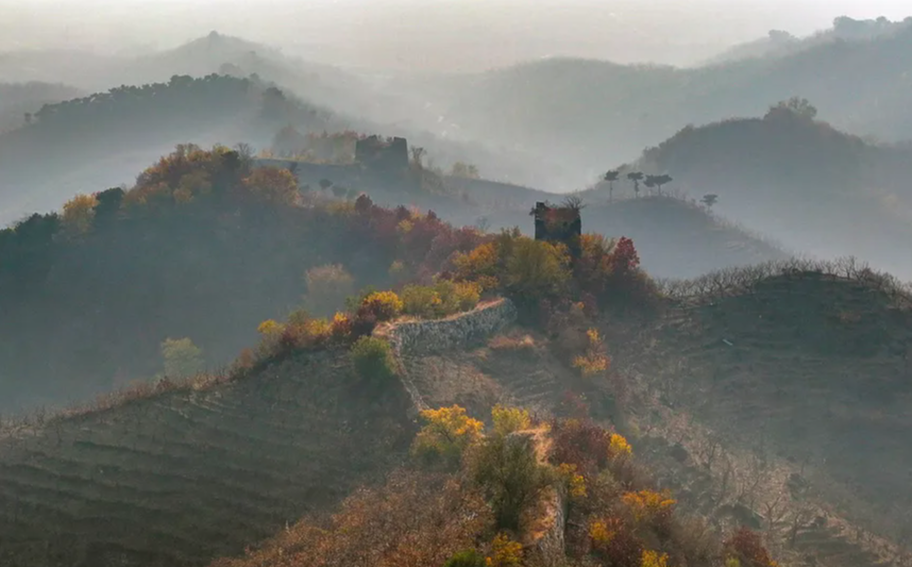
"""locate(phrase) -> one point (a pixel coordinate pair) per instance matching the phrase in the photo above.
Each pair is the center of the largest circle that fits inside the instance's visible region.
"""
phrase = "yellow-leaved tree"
(78, 214)
(507, 420)
(447, 433)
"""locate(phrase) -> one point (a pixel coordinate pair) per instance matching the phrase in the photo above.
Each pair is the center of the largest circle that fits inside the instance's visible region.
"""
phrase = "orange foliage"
(745, 546)
(649, 506)
(273, 185)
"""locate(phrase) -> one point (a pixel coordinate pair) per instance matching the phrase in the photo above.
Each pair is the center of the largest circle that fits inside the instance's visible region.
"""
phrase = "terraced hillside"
(805, 368)
(184, 477)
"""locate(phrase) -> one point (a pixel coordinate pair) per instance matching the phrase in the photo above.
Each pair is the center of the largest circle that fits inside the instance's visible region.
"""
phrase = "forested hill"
(205, 247)
(598, 109)
(104, 139)
(812, 187)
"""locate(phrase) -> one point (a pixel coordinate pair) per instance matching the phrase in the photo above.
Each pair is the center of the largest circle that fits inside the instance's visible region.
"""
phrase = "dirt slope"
(186, 477)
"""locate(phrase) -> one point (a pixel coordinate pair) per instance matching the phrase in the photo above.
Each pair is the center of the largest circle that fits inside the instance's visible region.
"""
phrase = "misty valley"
(263, 310)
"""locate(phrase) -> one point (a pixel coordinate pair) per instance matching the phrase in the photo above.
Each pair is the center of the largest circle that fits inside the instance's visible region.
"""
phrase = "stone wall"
(458, 331)
(409, 338)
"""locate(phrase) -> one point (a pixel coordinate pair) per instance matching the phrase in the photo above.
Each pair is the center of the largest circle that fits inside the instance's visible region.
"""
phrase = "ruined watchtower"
(382, 155)
(559, 224)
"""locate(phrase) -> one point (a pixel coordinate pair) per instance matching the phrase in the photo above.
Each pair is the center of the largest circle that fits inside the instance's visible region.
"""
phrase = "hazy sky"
(430, 34)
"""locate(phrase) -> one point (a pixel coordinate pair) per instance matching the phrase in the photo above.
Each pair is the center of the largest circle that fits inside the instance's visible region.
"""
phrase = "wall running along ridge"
(424, 337)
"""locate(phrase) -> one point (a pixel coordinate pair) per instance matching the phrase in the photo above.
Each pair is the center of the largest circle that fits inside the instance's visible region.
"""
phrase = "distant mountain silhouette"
(590, 112)
(810, 186)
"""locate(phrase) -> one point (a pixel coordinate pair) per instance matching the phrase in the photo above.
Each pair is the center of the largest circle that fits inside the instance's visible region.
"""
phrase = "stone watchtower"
(559, 224)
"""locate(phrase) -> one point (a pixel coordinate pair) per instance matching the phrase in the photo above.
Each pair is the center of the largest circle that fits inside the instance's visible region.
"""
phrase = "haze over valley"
(451, 283)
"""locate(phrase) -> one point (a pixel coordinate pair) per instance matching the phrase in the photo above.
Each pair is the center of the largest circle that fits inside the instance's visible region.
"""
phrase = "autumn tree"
(273, 185)
(536, 269)
(78, 214)
(508, 470)
(509, 420)
(446, 434)
(181, 357)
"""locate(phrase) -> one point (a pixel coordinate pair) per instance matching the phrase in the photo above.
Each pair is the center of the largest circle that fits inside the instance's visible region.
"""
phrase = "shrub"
(505, 552)
(580, 443)
(442, 299)
(341, 329)
(468, 558)
(619, 448)
(421, 301)
(363, 323)
(594, 361)
(653, 559)
(507, 420)
(480, 265)
(182, 358)
(650, 506)
(747, 548)
(614, 541)
(574, 482)
(383, 305)
(373, 359)
(508, 471)
(447, 433)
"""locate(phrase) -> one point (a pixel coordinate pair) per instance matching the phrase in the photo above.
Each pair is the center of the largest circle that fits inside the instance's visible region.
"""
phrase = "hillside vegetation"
(799, 179)
(202, 247)
(74, 145)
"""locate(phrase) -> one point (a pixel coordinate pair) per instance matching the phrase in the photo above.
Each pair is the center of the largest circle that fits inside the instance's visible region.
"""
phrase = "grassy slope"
(184, 477)
(526, 372)
(817, 375)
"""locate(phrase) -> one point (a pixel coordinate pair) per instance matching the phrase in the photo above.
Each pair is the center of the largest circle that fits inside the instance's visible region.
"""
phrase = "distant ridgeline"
(379, 163)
